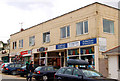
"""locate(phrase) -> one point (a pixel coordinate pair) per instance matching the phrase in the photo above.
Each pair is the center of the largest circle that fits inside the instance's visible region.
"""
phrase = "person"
(31, 70)
(27, 69)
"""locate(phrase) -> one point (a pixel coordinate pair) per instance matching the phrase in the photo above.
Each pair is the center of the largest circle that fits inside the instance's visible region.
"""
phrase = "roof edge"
(65, 14)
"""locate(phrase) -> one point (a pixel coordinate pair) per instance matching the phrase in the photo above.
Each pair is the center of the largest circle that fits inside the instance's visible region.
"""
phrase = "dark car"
(79, 74)
(22, 71)
(44, 73)
(12, 68)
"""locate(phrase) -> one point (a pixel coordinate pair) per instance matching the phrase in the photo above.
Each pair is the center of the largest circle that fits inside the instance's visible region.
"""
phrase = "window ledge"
(64, 38)
(109, 33)
(82, 34)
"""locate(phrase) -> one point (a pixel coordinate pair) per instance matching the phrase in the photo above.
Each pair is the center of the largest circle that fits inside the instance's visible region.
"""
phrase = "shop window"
(82, 27)
(87, 50)
(65, 32)
(32, 41)
(21, 43)
(14, 45)
(46, 37)
(73, 52)
(108, 26)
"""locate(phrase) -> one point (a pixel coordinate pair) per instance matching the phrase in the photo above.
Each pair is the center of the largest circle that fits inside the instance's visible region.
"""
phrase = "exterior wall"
(87, 13)
(110, 14)
(113, 67)
(93, 13)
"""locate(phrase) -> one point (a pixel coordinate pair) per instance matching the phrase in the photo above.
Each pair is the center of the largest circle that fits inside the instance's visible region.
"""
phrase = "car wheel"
(13, 72)
(44, 78)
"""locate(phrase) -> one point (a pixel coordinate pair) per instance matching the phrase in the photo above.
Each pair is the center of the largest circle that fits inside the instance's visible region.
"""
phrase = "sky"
(33, 12)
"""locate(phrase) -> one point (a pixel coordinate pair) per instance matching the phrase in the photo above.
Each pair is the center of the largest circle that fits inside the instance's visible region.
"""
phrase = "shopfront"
(26, 56)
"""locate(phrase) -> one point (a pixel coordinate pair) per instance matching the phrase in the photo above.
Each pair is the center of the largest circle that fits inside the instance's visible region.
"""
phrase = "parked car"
(44, 73)
(12, 68)
(3, 65)
(79, 74)
(22, 71)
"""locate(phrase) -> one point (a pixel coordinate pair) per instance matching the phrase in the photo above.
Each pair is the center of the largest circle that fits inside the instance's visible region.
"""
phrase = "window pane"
(46, 37)
(69, 71)
(86, 26)
(61, 71)
(79, 28)
(108, 26)
(63, 32)
(32, 41)
(68, 31)
(76, 72)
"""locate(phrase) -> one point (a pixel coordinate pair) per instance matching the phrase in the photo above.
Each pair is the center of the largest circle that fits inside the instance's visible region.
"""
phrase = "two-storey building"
(81, 34)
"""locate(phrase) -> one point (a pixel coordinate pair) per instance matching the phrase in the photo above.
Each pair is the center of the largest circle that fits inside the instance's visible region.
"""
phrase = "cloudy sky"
(32, 12)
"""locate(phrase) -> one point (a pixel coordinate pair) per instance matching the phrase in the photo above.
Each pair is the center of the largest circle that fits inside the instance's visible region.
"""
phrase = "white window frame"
(32, 40)
(21, 43)
(113, 27)
(83, 22)
(47, 36)
(65, 32)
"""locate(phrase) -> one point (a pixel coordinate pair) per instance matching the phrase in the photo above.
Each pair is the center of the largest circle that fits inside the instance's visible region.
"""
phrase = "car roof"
(77, 62)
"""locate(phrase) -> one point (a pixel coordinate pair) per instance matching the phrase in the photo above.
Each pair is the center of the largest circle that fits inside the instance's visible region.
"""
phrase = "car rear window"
(38, 68)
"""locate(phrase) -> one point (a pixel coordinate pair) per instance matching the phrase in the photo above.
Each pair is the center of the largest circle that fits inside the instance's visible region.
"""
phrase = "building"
(4, 51)
(80, 34)
(113, 58)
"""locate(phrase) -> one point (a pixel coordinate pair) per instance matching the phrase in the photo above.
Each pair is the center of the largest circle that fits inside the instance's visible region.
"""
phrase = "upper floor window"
(82, 27)
(32, 41)
(21, 43)
(46, 37)
(14, 45)
(108, 26)
(65, 32)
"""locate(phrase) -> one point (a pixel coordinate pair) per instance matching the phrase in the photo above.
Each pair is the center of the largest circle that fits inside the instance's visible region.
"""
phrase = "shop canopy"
(77, 62)
(113, 51)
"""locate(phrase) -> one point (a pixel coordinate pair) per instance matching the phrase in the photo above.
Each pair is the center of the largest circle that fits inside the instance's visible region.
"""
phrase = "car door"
(68, 74)
(50, 72)
(77, 75)
(59, 75)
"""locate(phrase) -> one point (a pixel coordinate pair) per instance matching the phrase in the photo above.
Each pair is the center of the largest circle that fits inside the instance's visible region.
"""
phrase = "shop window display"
(73, 52)
(87, 50)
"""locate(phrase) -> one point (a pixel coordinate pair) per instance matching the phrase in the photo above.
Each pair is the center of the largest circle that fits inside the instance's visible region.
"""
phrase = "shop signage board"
(73, 44)
(61, 46)
(51, 48)
(102, 44)
(25, 52)
(41, 49)
(88, 42)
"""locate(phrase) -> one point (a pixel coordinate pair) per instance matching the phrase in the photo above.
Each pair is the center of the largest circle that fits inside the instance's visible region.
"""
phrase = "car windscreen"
(91, 73)
(38, 68)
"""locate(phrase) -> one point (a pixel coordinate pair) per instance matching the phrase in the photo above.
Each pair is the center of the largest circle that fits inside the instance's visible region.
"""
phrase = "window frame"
(45, 35)
(21, 43)
(83, 28)
(32, 40)
(109, 27)
(66, 32)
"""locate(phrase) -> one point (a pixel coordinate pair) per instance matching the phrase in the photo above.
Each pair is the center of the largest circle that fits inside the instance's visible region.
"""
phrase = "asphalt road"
(5, 77)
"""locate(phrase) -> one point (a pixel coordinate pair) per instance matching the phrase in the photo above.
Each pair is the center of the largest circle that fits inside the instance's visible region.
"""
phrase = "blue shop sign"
(41, 49)
(61, 46)
(88, 42)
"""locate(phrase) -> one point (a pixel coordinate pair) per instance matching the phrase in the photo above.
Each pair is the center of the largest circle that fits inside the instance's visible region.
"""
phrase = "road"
(5, 77)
